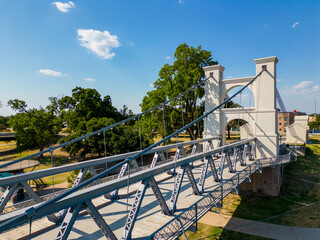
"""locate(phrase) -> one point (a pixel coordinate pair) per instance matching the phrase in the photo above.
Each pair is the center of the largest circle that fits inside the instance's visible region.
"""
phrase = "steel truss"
(147, 179)
(72, 215)
(176, 227)
(12, 183)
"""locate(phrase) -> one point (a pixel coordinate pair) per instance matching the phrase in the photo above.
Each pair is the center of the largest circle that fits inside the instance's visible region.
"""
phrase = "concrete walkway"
(261, 229)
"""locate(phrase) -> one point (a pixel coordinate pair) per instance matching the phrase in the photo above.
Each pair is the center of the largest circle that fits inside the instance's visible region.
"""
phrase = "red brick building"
(285, 119)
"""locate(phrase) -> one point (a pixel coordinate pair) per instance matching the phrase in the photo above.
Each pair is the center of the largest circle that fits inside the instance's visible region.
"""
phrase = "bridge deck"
(150, 217)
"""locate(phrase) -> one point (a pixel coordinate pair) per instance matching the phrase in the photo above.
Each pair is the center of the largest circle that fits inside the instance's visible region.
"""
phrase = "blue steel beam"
(68, 222)
(132, 216)
(98, 219)
(176, 188)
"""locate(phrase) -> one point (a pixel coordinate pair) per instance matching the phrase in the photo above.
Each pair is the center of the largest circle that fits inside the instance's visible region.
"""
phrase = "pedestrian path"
(260, 229)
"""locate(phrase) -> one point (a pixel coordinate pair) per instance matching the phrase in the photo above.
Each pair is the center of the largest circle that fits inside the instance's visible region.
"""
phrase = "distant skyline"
(47, 48)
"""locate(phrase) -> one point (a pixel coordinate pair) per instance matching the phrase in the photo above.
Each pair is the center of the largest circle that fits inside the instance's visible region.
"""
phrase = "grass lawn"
(7, 145)
(59, 158)
(208, 232)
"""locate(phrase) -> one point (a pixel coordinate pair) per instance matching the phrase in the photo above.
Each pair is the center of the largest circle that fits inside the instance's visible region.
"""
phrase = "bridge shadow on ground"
(297, 204)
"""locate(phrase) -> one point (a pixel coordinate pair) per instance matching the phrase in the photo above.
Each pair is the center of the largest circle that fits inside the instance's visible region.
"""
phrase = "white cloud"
(151, 85)
(100, 43)
(64, 7)
(49, 72)
(180, 1)
(131, 43)
(228, 77)
(168, 57)
(89, 79)
(303, 88)
(295, 24)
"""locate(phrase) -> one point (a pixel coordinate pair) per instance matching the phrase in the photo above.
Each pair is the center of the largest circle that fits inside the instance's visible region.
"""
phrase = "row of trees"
(84, 112)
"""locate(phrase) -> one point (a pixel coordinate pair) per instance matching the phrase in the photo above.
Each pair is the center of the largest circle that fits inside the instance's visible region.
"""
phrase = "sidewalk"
(261, 229)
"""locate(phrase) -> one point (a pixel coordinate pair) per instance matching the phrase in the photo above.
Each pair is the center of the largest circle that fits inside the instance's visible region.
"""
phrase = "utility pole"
(315, 109)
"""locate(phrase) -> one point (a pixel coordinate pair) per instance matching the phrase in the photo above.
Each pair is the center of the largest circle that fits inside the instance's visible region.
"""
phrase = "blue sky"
(118, 47)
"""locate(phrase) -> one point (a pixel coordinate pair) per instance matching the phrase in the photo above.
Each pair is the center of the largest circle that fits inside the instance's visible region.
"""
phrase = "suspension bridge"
(147, 202)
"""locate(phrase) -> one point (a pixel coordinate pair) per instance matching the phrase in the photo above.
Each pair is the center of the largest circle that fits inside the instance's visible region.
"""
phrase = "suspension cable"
(182, 117)
(140, 140)
(257, 103)
(164, 128)
(104, 143)
(197, 114)
(32, 210)
(239, 116)
(51, 152)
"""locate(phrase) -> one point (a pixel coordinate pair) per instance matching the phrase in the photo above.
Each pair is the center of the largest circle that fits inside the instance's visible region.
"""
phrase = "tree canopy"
(34, 127)
(86, 112)
(236, 123)
(85, 104)
(316, 124)
(17, 105)
(186, 71)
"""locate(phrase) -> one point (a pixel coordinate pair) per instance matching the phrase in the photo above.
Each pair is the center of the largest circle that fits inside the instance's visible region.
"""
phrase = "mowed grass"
(59, 158)
(205, 231)
(7, 145)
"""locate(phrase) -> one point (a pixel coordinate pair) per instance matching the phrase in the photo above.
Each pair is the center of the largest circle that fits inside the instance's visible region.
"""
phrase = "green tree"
(17, 105)
(234, 123)
(4, 123)
(186, 71)
(86, 112)
(123, 138)
(315, 125)
(34, 127)
(85, 104)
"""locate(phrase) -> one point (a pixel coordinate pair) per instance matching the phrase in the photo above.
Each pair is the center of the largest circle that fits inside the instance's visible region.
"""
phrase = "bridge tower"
(261, 119)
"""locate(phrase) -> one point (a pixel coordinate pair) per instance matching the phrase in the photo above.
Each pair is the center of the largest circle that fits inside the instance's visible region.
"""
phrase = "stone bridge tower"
(261, 119)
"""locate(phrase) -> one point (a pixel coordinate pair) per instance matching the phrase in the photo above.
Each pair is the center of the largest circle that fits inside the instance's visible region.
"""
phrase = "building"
(312, 119)
(287, 118)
